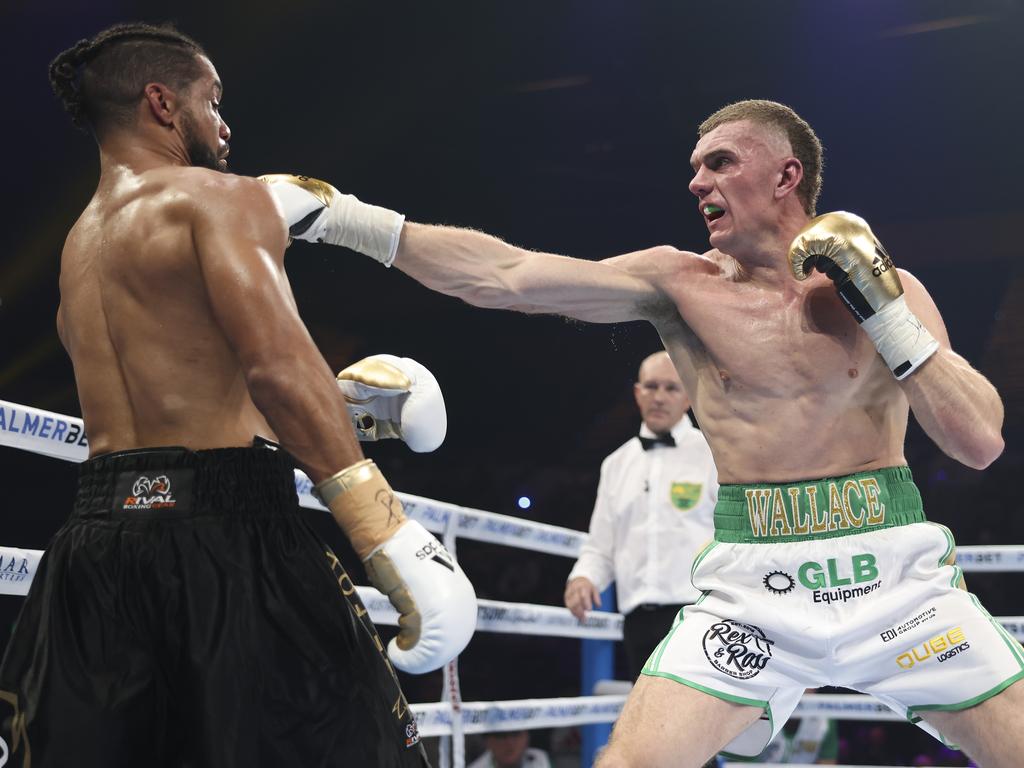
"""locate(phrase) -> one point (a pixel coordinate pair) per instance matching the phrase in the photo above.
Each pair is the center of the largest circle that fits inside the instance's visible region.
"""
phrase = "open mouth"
(713, 212)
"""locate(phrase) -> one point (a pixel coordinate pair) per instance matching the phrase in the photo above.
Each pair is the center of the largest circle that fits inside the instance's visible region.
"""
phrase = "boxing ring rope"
(63, 437)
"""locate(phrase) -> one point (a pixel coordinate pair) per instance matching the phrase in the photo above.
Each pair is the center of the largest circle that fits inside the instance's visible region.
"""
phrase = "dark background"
(567, 127)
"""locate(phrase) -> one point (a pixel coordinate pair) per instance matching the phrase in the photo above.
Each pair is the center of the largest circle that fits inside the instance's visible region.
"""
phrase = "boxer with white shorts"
(804, 349)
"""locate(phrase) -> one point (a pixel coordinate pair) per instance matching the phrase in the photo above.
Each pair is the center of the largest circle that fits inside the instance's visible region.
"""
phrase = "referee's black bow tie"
(652, 442)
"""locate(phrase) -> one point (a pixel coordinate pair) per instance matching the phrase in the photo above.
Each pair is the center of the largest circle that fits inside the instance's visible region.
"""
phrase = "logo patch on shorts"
(835, 583)
(412, 735)
(778, 582)
(944, 647)
(893, 632)
(739, 650)
(685, 495)
(159, 490)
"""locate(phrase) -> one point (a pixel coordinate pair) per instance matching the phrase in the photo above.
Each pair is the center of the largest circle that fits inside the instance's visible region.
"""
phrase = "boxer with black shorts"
(185, 615)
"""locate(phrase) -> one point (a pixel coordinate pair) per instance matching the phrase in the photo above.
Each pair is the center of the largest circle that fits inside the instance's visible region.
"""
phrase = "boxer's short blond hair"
(802, 139)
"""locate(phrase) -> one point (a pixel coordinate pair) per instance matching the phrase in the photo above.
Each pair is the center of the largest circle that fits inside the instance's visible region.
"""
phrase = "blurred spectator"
(510, 749)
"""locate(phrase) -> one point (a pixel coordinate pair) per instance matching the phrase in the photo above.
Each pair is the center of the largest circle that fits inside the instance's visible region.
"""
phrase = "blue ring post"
(598, 663)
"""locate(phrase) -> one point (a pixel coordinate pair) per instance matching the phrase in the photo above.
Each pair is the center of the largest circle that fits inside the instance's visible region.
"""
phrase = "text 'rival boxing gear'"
(843, 246)
(318, 213)
(435, 601)
(390, 396)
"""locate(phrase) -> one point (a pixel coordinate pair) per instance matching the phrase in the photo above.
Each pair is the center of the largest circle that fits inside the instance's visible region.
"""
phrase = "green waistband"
(768, 513)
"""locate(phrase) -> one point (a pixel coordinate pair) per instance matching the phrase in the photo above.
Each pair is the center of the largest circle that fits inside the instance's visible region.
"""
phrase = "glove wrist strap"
(900, 338)
(367, 229)
(363, 505)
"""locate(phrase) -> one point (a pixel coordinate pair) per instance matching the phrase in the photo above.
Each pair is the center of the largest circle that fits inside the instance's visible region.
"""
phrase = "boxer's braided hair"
(101, 79)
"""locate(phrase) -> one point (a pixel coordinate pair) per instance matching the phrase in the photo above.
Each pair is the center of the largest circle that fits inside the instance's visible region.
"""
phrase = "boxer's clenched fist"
(842, 245)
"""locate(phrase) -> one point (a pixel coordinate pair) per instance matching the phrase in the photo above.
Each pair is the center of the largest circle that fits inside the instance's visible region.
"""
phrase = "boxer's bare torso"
(152, 365)
(784, 384)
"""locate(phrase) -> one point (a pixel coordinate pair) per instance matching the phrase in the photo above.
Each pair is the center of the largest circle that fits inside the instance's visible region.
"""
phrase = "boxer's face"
(737, 168)
(660, 395)
(203, 130)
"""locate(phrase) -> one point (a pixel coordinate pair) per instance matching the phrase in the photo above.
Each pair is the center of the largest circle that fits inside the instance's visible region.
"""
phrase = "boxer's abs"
(151, 364)
(784, 388)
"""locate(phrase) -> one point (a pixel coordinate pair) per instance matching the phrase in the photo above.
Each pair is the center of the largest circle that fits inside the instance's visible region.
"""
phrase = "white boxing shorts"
(834, 582)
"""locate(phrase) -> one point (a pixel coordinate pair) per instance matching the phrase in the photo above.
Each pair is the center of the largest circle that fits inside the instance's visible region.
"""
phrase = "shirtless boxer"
(804, 349)
(186, 614)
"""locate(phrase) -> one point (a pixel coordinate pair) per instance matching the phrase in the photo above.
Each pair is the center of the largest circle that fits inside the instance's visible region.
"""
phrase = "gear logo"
(882, 262)
(736, 649)
(778, 582)
(145, 485)
(150, 493)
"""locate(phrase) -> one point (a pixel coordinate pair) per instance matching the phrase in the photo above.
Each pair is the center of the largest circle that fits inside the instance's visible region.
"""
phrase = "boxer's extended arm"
(956, 406)
(240, 244)
(487, 272)
(475, 267)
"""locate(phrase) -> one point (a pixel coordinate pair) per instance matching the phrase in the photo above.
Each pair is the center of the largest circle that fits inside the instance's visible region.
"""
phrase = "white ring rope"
(18, 567)
(63, 437)
(518, 714)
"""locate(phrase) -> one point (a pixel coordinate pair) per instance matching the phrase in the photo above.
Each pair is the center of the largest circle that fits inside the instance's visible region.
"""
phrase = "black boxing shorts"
(186, 615)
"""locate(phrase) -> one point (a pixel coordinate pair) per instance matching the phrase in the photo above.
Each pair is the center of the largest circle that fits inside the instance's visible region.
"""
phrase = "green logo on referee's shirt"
(685, 495)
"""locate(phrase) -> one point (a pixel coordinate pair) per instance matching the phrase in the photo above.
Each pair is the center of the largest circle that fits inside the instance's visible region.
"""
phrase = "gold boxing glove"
(842, 246)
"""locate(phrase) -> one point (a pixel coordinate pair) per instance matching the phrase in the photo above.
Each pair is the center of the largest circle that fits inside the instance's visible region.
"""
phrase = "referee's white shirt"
(653, 514)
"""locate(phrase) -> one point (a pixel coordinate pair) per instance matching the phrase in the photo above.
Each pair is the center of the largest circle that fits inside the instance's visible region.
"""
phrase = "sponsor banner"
(38, 431)
(528, 714)
(844, 706)
(996, 559)
(475, 524)
(1014, 625)
(514, 618)
(17, 569)
(434, 719)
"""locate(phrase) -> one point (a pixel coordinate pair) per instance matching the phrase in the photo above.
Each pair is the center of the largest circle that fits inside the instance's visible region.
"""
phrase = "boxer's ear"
(162, 102)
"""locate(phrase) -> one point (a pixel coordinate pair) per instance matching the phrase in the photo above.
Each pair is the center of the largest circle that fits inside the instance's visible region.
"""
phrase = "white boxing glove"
(390, 396)
(317, 212)
(435, 600)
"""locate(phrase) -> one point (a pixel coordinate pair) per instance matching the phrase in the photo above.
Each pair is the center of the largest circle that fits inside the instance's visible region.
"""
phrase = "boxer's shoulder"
(207, 187)
(225, 201)
(663, 260)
